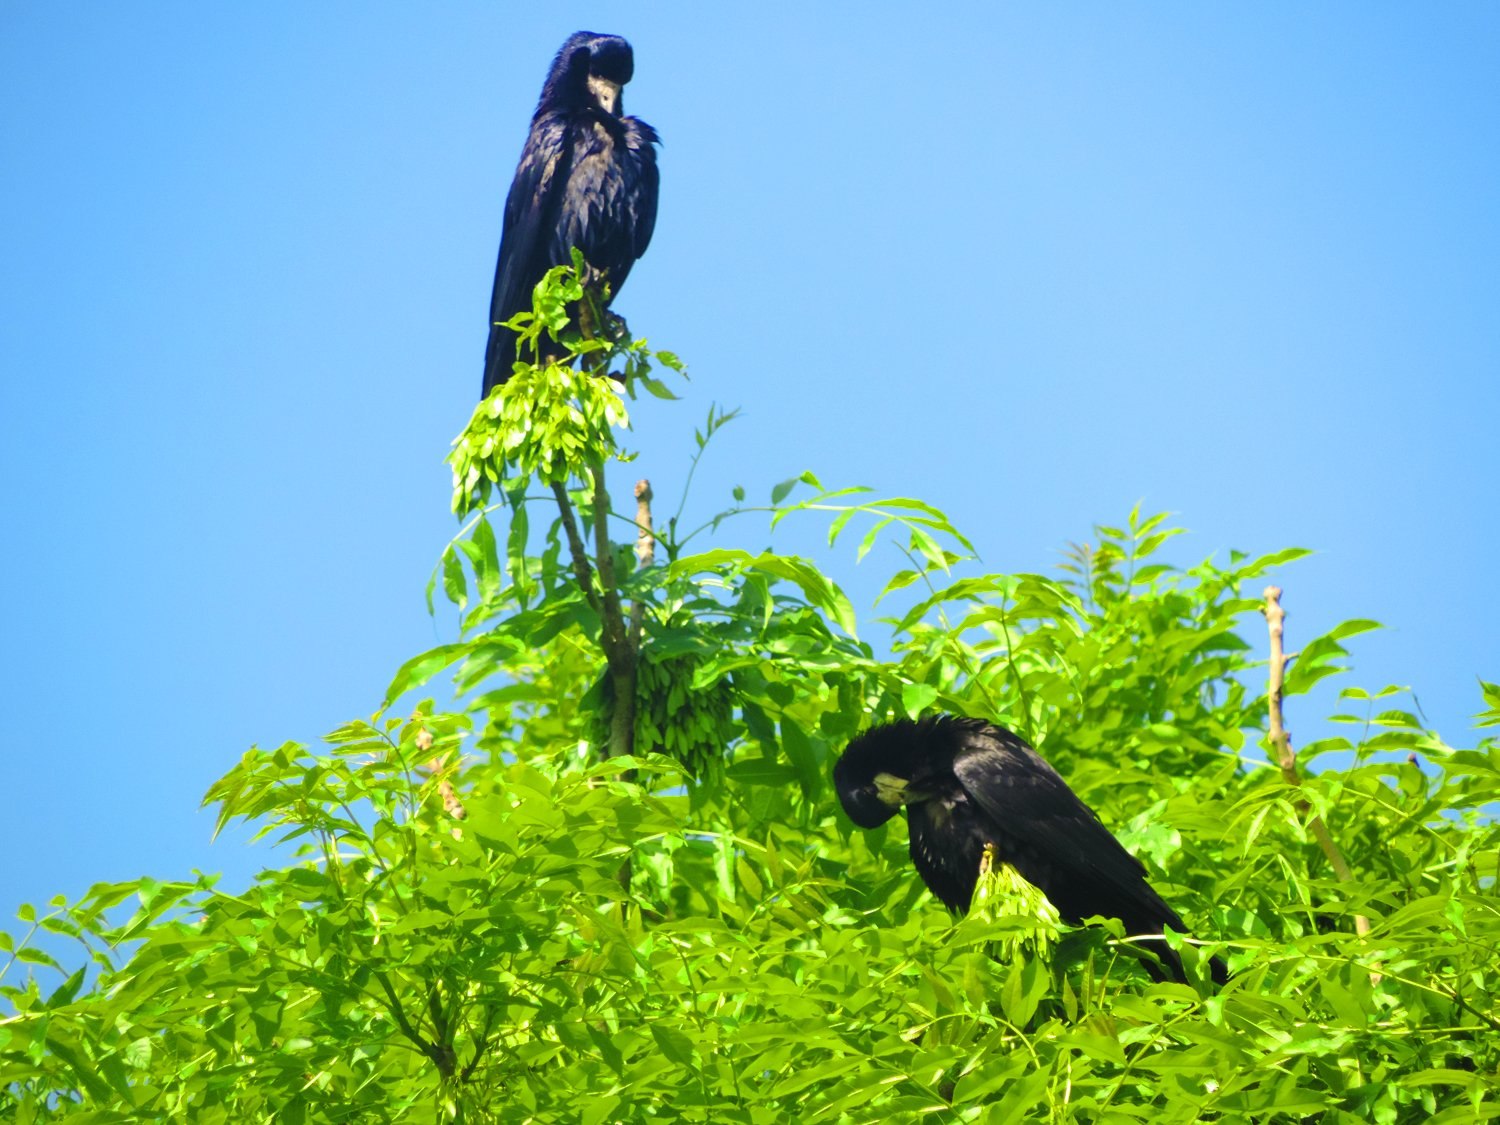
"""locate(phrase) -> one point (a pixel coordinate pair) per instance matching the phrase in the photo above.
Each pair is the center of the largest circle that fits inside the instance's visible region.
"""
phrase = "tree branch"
(645, 555)
(1281, 743)
(581, 569)
(619, 643)
(615, 637)
(442, 1047)
(433, 1050)
(481, 1044)
(604, 560)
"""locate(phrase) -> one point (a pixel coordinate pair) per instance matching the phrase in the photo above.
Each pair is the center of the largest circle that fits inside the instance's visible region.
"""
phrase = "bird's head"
(874, 775)
(590, 68)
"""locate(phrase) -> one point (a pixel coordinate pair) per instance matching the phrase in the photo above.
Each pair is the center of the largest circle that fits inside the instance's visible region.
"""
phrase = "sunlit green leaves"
(1490, 716)
(548, 423)
(1320, 657)
(820, 592)
(482, 917)
(552, 419)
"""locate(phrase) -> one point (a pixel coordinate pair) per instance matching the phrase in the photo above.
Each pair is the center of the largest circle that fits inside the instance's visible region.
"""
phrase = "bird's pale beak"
(606, 94)
(893, 790)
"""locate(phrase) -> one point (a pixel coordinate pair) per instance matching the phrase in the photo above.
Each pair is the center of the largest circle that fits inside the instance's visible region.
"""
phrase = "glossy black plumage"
(969, 783)
(587, 178)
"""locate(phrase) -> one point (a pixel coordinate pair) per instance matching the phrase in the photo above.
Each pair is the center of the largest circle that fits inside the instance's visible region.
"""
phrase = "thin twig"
(1286, 757)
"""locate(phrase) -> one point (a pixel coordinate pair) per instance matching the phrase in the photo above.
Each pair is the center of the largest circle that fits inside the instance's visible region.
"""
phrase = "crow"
(966, 784)
(587, 179)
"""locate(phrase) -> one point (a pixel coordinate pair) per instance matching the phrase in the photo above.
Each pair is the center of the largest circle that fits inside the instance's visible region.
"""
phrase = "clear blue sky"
(1033, 265)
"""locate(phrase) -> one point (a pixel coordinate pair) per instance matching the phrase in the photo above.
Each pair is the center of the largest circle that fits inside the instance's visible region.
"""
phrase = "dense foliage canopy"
(611, 882)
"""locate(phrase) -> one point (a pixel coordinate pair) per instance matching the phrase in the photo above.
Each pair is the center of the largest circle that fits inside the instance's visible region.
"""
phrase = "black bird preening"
(587, 178)
(967, 783)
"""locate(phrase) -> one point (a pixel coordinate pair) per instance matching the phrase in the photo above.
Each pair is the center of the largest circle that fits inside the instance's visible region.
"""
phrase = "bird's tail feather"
(1155, 922)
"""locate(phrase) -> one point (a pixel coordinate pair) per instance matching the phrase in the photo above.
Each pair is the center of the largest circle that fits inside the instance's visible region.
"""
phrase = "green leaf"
(800, 751)
(485, 557)
(455, 587)
(990, 1076)
(898, 581)
(137, 1053)
(917, 698)
(760, 771)
(657, 388)
(597, 1109)
(1490, 716)
(66, 992)
(419, 669)
(674, 1045)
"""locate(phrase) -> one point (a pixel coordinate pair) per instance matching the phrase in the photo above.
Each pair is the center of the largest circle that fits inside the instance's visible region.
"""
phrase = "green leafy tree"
(611, 882)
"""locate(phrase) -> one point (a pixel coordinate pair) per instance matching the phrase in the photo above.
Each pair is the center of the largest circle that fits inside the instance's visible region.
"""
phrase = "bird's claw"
(987, 860)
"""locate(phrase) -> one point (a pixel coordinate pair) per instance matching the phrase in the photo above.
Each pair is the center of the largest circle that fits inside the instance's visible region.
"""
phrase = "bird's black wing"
(644, 183)
(1053, 839)
(531, 211)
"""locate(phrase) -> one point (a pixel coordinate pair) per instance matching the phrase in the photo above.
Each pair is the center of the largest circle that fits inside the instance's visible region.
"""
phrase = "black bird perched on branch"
(587, 178)
(966, 784)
